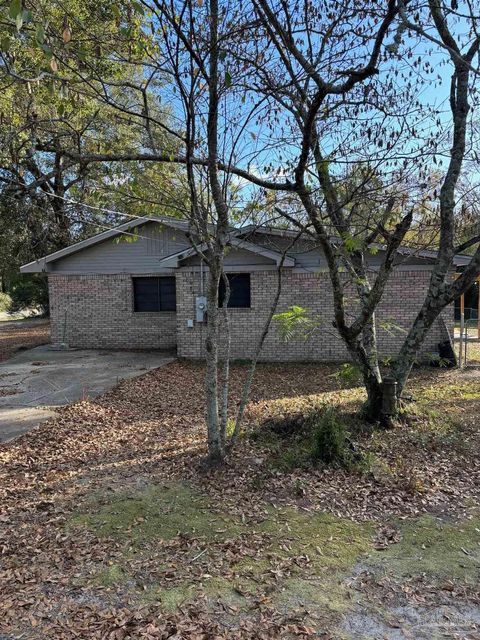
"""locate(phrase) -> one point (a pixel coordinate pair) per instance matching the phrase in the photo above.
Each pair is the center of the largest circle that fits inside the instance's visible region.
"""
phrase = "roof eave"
(37, 266)
(461, 261)
(96, 239)
(175, 259)
(277, 257)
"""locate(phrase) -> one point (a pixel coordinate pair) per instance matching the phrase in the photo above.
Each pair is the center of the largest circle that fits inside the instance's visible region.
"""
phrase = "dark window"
(239, 290)
(154, 294)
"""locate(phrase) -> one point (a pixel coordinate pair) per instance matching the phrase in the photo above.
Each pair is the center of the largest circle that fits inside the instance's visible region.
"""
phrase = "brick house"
(106, 292)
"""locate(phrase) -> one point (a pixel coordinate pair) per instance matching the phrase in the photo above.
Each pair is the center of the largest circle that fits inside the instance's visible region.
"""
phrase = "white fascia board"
(266, 253)
(37, 266)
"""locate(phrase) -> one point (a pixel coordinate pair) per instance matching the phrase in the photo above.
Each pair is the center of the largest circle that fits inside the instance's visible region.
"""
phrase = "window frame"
(221, 292)
(158, 279)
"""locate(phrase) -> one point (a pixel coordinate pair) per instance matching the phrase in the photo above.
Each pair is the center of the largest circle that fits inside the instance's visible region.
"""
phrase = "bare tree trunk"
(215, 445)
(441, 292)
(214, 420)
(414, 340)
(253, 364)
(226, 362)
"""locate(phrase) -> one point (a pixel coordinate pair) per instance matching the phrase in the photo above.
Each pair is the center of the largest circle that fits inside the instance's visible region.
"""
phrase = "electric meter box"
(200, 308)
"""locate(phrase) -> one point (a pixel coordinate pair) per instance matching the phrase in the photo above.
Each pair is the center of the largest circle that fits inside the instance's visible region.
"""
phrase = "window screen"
(154, 294)
(239, 290)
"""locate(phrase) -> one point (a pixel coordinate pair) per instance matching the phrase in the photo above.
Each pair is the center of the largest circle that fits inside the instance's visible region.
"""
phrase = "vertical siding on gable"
(140, 255)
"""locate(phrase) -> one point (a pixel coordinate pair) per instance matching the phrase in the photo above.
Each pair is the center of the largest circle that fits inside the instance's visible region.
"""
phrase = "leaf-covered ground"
(22, 334)
(111, 528)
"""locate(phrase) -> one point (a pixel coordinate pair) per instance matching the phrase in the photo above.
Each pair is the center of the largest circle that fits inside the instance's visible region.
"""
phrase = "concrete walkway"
(35, 381)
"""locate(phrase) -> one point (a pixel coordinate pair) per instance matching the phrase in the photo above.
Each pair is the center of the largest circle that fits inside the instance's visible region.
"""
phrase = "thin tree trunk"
(215, 447)
(414, 340)
(440, 291)
(253, 364)
(215, 444)
(226, 362)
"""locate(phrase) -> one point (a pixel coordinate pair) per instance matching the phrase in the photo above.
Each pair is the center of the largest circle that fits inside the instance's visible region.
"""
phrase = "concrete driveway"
(36, 381)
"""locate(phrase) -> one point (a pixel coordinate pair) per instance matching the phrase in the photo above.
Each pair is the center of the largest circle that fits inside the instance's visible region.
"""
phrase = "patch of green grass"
(461, 390)
(158, 513)
(110, 576)
(436, 548)
(297, 456)
(213, 589)
(314, 593)
(369, 464)
(308, 435)
(287, 444)
(330, 542)
(433, 428)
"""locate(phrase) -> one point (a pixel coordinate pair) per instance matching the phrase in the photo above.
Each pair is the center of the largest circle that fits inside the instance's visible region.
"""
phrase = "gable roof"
(459, 259)
(39, 265)
(174, 259)
(237, 239)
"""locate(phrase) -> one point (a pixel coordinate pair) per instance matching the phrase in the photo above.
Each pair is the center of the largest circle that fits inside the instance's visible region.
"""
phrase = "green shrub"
(347, 375)
(330, 443)
(5, 301)
(287, 438)
(292, 425)
(299, 440)
(29, 291)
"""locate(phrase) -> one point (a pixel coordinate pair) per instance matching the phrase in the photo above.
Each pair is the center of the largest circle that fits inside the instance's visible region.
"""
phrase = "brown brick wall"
(99, 314)
(402, 301)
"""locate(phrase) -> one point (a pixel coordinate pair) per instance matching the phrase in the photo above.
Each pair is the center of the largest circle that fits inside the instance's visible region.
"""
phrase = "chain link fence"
(467, 339)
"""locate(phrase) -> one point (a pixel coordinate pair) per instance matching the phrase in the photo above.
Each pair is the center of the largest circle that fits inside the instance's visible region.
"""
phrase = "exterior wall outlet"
(190, 323)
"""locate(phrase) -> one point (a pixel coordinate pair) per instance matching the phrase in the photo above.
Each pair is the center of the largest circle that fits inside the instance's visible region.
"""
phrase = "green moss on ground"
(305, 558)
(330, 542)
(172, 598)
(212, 589)
(436, 548)
(159, 513)
(330, 546)
(325, 595)
(110, 576)
(464, 390)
